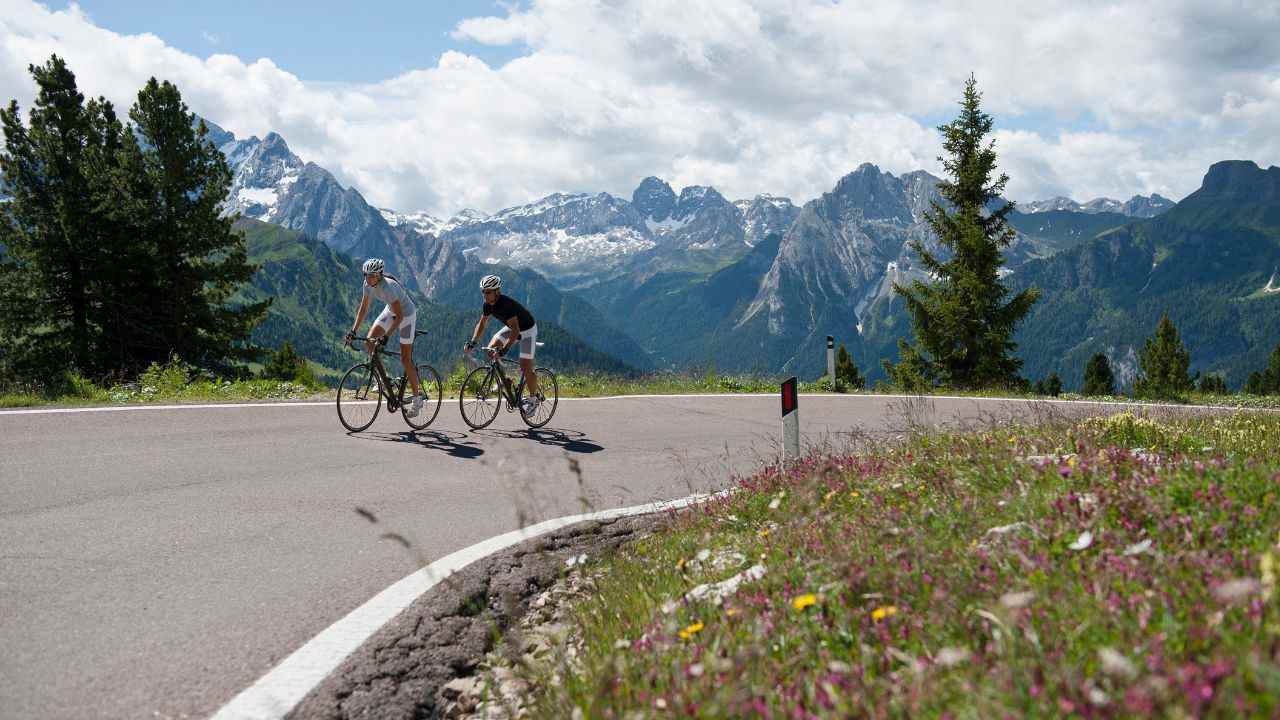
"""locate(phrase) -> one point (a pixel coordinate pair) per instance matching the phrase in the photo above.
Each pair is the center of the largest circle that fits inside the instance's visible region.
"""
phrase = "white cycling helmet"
(372, 265)
(490, 282)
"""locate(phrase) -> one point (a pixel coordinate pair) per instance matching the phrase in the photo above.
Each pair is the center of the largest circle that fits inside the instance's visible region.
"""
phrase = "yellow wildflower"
(731, 612)
(804, 601)
(827, 498)
(883, 612)
(764, 532)
(690, 631)
(854, 494)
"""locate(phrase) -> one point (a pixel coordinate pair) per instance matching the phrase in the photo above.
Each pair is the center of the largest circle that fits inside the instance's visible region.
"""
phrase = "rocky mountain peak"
(874, 194)
(217, 135)
(695, 198)
(1241, 180)
(654, 199)
(1146, 206)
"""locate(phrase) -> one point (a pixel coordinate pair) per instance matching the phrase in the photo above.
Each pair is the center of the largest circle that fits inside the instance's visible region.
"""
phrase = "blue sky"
(357, 42)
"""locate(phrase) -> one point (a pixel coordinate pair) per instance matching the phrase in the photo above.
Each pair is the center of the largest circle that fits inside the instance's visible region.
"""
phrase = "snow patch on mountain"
(420, 221)
(1143, 206)
(669, 225)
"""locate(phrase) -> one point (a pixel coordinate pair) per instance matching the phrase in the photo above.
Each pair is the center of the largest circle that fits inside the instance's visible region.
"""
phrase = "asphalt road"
(153, 563)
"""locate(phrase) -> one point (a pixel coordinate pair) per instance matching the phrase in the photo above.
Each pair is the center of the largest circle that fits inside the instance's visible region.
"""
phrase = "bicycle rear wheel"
(548, 399)
(359, 396)
(480, 397)
(432, 392)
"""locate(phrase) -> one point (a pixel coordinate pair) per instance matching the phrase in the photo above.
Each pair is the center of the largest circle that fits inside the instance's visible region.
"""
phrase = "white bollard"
(831, 361)
(790, 420)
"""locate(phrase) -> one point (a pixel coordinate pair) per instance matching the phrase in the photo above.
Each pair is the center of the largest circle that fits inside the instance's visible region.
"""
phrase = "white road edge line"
(329, 403)
(281, 689)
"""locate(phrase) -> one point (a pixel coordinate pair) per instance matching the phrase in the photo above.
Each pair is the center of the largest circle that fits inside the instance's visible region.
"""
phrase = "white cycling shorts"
(528, 340)
(407, 326)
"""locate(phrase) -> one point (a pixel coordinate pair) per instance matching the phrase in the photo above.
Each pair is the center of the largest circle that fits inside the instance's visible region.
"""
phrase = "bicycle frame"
(511, 392)
(375, 361)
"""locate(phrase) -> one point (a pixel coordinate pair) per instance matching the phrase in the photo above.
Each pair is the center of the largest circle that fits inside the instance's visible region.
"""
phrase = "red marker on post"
(790, 420)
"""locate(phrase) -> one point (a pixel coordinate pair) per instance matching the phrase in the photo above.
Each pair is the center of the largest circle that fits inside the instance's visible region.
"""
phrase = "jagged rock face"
(579, 239)
(1138, 206)
(765, 215)
(841, 248)
(654, 199)
(560, 235)
(265, 171)
(272, 184)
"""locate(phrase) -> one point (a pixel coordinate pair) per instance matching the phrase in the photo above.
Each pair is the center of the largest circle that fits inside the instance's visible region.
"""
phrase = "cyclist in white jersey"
(399, 312)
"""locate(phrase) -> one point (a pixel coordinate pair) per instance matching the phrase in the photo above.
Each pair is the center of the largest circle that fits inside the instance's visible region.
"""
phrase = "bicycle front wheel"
(548, 399)
(480, 397)
(432, 393)
(359, 396)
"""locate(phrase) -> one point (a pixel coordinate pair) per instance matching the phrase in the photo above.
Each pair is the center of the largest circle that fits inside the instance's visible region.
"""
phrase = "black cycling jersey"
(505, 308)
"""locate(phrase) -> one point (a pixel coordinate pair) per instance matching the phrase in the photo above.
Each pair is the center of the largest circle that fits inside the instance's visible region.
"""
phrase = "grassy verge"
(171, 383)
(1105, 567)
(174, 383)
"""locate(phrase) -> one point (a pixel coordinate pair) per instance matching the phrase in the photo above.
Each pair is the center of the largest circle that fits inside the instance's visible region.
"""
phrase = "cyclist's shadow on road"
(432, 439)
(571, 440)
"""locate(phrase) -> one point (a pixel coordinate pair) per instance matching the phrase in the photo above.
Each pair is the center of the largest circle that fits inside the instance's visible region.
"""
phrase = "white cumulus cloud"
(780, 96)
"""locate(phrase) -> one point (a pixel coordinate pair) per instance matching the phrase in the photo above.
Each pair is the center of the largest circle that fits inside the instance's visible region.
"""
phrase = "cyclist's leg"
(499, 338)
(528, 347)
(407, 327)
(386, 319)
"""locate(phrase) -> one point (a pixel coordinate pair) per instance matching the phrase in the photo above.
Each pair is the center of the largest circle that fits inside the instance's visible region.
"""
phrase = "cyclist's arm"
(364, 308)
(515, 333)
(480, 324)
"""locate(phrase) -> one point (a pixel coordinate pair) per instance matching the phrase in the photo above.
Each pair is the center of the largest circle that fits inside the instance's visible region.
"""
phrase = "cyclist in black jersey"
(518, 326)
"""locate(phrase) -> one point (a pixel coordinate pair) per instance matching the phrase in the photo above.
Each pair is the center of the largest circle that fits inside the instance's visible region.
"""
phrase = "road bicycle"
(366, 384)
(486, 386)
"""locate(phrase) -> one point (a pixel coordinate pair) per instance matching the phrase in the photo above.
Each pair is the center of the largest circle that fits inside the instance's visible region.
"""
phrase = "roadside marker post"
(790, 420)
(831, 361)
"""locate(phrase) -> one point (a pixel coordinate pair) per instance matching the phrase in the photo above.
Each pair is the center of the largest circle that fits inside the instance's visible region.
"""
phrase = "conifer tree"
(1164, 364)
(1098, 378)
(1267, 380)
(1213, 384)
(964, 320)
(1051, 385)
(1271, 376)
(199, 260)
(847, 374)
(912, 372)
(58, 273)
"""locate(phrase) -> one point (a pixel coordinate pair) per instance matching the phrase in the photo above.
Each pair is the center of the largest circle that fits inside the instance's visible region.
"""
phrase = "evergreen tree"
(284, 363)
(1051, 385)
(1255, 384)
(1098, 378)
(912, 373)
(287, 364)
(1213, 384)
(964, 320)
(57, 264)
(1271, 376)
(847, 374)
(198, 260)
(1267, 380)
(1164, 364)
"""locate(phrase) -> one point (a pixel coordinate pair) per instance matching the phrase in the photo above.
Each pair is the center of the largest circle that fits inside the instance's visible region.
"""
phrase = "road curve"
(154, 562)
